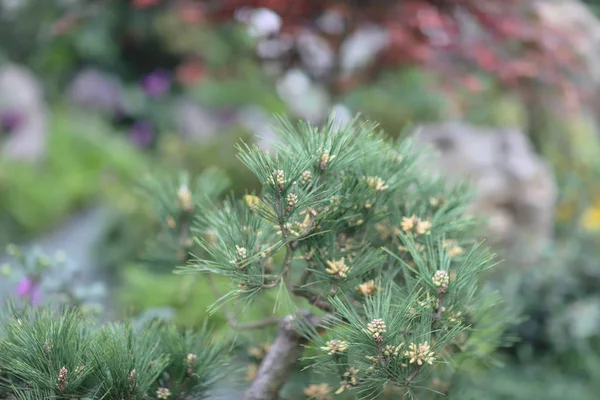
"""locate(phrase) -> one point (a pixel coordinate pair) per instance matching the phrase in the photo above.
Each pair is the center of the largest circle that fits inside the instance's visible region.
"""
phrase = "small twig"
(254, 324)
(272, 284)
(412, 376)
(233, 322)
(380, 355)
(438, 314)
(304, 277)
(334, 288)
(286, 269)
(313, 298)
(280, 218)
(184, 233)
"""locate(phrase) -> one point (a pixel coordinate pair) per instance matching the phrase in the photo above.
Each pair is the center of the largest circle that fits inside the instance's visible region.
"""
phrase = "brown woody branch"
(315, 299)
(281, 358)
(253, 324)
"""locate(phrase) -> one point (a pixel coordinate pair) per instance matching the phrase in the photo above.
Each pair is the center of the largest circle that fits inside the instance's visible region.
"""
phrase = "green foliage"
(83, 163)
(196, 362)
(399, 98)
(144, 289)
(560, 297)
(60, 354)
(241, 226)
(33, 263)
(177, 204)
(558, 351)
(128, 361)
(212, 153)
(37, 346)
(369, 236)
(37, 270)
(538, 378)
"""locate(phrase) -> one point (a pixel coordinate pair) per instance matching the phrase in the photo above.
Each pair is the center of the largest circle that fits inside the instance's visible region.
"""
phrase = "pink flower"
(30, 289)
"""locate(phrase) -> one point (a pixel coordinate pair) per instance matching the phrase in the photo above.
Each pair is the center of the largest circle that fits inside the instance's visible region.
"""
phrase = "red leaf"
(397, 35)
(509, 28)
(429, 18)
(144, 3)
(189, 12)
(472, 84)
(485, 59)
(420, 53)
(190, 72)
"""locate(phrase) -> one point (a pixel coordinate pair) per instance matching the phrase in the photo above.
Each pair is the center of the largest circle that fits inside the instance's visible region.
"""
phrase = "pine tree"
(383, 252)
(380, 254)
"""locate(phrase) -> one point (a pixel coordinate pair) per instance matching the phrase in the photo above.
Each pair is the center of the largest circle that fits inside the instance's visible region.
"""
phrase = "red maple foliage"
(144, 3)
(504, 38)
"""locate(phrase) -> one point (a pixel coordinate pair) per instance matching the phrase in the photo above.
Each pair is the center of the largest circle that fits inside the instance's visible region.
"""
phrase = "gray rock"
(305, 98)
(193, 121)
(96, 90)
(516, 190)
(340, 116)
(332, 22)
(274, 48)
(77, 239)
(361, 48)
(260, 124)
(575, 17)
(316, 54)
(20, 92)
(261, 22)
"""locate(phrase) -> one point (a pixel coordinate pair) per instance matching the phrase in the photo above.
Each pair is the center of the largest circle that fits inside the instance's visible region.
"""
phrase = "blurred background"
(97, 95)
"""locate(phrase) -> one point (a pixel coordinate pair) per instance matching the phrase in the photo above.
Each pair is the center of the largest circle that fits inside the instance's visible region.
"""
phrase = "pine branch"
(287, 266)
(254, 324)
(313, 298)
(412, 376)
(233, 322)
(304, 278)
(438, 314)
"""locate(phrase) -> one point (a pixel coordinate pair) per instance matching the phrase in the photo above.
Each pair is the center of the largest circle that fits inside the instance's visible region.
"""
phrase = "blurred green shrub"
(400, 98)
(195, 157)
(83, 157)
(189, 296)
(558, 354)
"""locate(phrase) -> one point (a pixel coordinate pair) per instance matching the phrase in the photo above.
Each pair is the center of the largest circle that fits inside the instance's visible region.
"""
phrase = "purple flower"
(227, 115)
(157, 83)
(142, 134)
(11, 120)
(30, 289)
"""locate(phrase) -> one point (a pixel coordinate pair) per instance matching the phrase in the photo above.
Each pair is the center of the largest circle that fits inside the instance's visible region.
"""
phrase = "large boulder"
(516, 190)
(23, 115)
